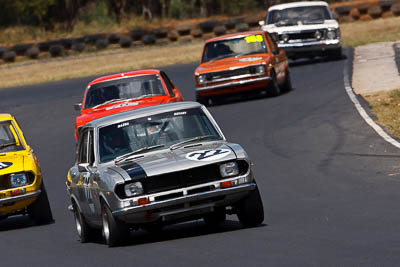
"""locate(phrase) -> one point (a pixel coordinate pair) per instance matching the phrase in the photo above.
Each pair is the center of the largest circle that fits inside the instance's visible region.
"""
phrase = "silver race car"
(158, 165)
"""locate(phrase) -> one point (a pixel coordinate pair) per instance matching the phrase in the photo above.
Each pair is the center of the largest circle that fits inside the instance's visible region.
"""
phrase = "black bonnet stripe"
(134, 170)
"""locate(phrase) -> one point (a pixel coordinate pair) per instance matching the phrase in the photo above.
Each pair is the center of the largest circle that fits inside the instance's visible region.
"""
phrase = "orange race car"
(125, 91)
(241, 62)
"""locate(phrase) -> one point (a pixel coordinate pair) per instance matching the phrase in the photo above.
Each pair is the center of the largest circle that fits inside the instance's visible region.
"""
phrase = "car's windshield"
(244, 45)
(299, 15)
(156, 132)
(9, 139)
(125, 88)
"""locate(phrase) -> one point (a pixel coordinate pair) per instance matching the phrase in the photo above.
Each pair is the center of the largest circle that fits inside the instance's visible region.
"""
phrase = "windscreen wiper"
(6, 145)
(110, 101)
(178, 145)
(222, 56)
(128, 155)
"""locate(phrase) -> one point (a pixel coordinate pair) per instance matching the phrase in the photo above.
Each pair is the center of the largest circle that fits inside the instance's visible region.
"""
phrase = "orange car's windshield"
(122, 89)
(243, 45)
(9, 140)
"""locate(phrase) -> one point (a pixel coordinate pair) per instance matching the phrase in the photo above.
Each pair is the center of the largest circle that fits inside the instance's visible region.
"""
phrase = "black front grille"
(194, 176)
(231, 73)
(175, 180)
(306, 35)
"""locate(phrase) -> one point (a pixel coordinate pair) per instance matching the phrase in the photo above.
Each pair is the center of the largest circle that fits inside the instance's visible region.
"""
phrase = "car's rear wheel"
(114, 230)
(273, 86)
(250, 210)
(85, 232)
(215, 218)
(40, 211)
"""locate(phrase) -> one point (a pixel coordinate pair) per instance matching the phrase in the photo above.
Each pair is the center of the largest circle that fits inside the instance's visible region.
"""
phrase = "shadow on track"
(245, 97)
(15, 223)
(315, 60)
(177, 231)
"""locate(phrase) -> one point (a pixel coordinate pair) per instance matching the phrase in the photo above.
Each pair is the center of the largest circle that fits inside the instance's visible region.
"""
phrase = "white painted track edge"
(361, 110)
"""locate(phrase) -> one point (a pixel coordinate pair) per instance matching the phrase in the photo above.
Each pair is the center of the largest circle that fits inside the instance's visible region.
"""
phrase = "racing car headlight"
(133, 189)
(18, 179)
(261, 69)
(331, 34)
(285, 38)
(229, 169)
(318, 35)
(201, 78)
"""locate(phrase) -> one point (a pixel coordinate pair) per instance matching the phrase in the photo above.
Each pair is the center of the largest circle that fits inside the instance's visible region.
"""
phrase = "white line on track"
(361, 110)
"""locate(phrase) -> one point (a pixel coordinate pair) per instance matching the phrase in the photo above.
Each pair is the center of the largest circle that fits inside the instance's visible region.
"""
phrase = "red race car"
(125, 91)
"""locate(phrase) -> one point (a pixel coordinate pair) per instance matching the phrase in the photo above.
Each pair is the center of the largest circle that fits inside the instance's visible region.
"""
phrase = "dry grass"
(365, 32)
(52, 70)
(386, 106)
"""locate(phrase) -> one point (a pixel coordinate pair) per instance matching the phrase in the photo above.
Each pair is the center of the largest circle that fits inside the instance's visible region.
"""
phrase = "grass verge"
(386, 106)
(82, 66)
(373, 31)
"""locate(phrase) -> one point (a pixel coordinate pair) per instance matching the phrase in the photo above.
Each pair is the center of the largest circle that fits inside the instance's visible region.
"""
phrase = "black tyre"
(250, 210)
(114, 231)
(202, 100)
(40, 211)
(273, 87)
(336, 54)
(85, 232)
(215, 218)
(287, 86)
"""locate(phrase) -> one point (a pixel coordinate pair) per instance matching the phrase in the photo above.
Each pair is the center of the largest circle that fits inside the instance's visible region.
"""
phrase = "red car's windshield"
(125, 88)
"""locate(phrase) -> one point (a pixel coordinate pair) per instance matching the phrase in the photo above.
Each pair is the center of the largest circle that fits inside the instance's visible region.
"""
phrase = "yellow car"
(21, 183)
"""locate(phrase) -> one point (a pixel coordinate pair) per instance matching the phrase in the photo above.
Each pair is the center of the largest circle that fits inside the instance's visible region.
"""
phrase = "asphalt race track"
(330, 185)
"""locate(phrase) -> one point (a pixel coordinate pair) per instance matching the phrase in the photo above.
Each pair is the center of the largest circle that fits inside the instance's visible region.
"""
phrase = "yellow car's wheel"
(39, 211)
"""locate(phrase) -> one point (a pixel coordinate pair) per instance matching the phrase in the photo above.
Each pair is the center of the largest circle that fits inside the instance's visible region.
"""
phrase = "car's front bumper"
(25, 196)
(234, 86)
(182, 203)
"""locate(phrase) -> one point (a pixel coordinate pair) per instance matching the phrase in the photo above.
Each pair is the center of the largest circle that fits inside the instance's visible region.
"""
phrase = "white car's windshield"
(161, 131)
(299, 15)
(9, 140)
(245, 45)
(121, 89)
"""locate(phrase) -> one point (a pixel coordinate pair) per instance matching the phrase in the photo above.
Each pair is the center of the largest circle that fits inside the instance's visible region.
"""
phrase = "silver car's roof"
(141, 112)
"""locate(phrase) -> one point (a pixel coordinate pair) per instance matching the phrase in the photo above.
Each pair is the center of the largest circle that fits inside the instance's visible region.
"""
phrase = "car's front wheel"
(202, 100)
(250, 210)
(85, 232)
(287, 86)
(273, 86)
(40, 211)
(114, 230)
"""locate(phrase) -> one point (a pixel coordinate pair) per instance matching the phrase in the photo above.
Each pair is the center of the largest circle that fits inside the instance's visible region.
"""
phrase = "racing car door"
(87, 173)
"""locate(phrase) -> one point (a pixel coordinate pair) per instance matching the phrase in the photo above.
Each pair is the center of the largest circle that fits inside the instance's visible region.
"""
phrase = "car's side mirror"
(78, 106)
(83, 167)
(261, 23)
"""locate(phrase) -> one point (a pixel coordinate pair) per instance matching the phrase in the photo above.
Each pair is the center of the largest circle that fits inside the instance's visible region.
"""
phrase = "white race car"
(304, 29)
